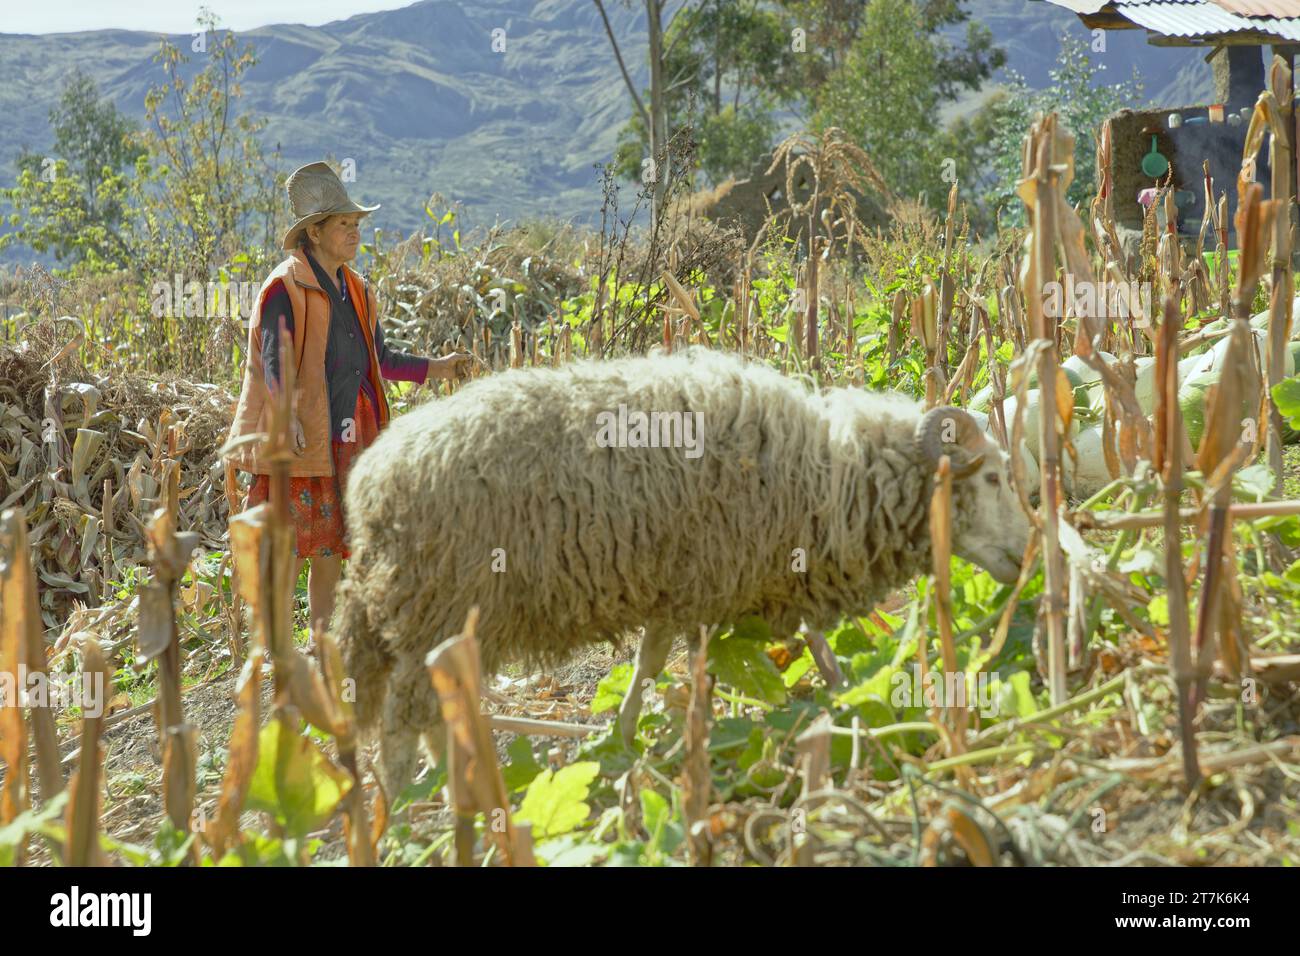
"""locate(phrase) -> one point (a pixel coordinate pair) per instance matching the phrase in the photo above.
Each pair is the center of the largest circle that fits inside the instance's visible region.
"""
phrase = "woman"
(340, 357)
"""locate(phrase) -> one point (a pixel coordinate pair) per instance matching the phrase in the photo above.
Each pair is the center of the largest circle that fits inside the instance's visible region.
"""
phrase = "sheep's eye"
(992, 478)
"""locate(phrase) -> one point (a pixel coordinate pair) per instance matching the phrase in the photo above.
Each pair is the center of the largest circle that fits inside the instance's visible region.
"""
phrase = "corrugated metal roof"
(1080, 6)
(1204, 20)
(1200, 19)
(1261, 8)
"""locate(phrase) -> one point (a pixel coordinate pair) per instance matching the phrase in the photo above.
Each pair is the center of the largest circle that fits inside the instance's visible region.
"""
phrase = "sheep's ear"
(969, 467)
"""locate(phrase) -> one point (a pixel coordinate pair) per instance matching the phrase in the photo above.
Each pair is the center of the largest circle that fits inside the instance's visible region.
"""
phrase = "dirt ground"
(133, 803)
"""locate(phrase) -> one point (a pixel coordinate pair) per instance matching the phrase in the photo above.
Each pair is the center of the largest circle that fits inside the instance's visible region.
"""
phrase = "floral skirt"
(316, 504)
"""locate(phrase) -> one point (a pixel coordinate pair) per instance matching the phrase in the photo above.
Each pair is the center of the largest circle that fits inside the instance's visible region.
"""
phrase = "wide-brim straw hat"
(316, 193)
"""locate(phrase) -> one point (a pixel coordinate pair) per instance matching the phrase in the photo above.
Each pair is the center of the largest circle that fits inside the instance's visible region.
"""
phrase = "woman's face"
(338, 237)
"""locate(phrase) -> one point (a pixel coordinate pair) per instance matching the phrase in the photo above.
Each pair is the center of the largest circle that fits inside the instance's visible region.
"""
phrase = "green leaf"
(728, 733)
(753, 748)
(422, 791)
(1286, 396)
(752, 628)
(260, 849)
(1144, 560)
(294, 781)
(1014, 697)
(612, 689)
(48, 822)
(555, 800)
(744, 664)
(1158, 610)
(909, 636)
(655, 810)
(1292, 573)
(523, 767)
(1255, 480)
(626, 854)
(878, 687)
(657, 818)
(1286, 527)
(608, 751)
(802, 665)
(571, 850)
(853, 637)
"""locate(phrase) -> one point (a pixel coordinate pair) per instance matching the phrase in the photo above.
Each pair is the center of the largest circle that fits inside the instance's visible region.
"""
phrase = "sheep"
(517, 495)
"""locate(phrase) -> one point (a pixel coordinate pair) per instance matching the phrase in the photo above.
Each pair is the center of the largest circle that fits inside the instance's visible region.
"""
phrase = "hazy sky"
(176, 16)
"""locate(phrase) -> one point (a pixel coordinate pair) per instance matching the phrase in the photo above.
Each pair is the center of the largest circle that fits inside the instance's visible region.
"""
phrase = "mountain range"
(428, 98)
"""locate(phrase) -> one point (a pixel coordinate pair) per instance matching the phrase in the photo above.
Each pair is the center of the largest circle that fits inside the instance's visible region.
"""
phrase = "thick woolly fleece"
(501, 496)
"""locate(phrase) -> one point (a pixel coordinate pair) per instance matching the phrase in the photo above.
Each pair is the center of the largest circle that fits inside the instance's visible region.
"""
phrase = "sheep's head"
(993, 531)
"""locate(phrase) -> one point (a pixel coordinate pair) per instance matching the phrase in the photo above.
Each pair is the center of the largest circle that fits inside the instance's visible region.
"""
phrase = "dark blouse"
(347, 359)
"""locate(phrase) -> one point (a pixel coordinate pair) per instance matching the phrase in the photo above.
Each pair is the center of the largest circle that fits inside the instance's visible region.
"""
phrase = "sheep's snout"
(995, 535)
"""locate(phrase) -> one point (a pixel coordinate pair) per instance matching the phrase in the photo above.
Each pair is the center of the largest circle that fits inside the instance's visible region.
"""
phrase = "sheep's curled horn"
(965, 447)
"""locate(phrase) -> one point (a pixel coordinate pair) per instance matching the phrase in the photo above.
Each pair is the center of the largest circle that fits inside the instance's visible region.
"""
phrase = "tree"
(886, 96)
(991, 142)
(655, 119)
(184, 195)
(732, 66)
(207, 192)
(888, 84)
(729, 65)
(835, 27)
(97, 140)
(72, 203)
(971, 149)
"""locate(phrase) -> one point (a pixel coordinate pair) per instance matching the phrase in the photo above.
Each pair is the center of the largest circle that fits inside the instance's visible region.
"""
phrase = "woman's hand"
(298, 436)
(452, 367)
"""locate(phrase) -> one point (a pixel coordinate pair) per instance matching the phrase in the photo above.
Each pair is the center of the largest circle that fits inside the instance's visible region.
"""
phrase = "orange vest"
(311, 318)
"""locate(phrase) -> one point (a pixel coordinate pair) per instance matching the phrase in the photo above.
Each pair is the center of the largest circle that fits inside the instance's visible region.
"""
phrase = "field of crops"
(1129, 700)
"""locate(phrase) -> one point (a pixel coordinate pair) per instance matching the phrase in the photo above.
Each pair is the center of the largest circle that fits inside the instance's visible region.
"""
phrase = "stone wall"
(1186, 148)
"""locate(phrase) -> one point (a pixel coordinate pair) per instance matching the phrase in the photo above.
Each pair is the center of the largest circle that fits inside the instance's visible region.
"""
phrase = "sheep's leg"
(824, 657)
(650, 661)
(397, 756)
(408, 710)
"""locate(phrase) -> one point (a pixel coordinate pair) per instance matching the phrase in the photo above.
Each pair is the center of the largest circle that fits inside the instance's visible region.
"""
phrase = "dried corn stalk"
(169, 555)
(1045, 142)
(82, 819)
(15, 601)
(1169, 448)
(941, 553)
(697, 775)
(21, 614)
(472, 773)
(242, 759)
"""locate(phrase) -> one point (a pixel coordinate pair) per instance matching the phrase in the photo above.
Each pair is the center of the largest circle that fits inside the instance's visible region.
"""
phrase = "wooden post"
(1279, 313)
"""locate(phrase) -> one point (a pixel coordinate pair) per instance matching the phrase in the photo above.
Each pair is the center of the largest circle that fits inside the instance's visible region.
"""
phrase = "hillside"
(420, 101)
